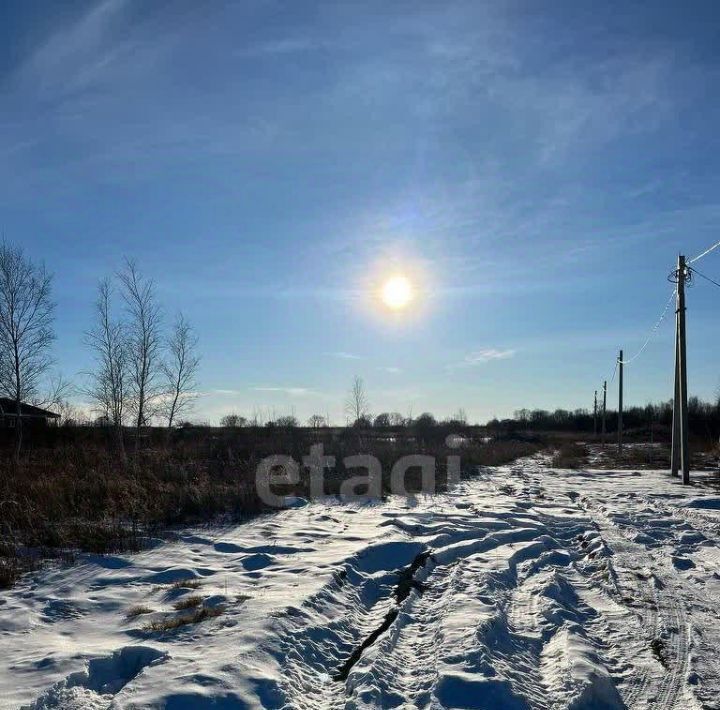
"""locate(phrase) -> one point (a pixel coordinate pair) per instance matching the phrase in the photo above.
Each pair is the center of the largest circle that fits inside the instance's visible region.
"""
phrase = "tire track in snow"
(569, 589)
(527, 578)
(424, 647)
(661, 610)
(663, 617)
(405, 666)
(454, 624)
(406, 584)
(646, 687)
(318, 634)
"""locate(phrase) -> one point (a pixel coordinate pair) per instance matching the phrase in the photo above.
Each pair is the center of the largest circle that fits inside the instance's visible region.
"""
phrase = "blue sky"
(535, 168)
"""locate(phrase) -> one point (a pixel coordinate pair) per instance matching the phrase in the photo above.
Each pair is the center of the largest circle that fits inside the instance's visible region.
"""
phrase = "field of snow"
(526, 587)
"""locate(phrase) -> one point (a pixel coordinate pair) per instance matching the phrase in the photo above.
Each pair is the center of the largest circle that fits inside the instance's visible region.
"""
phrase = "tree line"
(703, 418)
(357, 415)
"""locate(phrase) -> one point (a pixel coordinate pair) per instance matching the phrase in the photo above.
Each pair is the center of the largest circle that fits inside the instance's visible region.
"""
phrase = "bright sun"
(397, 292)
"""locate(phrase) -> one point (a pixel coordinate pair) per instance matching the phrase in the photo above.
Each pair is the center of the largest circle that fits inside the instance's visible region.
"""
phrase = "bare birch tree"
(26, 329)
(180, 370)
(55, 396)
(109, 381)
(356, 405)
(144, 343)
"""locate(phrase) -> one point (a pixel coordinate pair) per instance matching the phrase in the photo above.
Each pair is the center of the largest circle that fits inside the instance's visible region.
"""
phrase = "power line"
(705, 253)
(652, 333)
(612, 379)
(707, 278)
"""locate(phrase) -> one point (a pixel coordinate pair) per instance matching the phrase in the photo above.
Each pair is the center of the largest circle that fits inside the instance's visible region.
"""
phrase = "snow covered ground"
(524, 587)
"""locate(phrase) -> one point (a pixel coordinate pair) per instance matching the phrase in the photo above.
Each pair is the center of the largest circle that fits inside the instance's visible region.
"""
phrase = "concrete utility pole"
(595, 415)
(675, 455)
(620, 403)
(604, 410)
(680, 447)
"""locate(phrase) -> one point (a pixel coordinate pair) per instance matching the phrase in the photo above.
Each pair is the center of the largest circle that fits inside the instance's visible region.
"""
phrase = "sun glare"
(397, 292)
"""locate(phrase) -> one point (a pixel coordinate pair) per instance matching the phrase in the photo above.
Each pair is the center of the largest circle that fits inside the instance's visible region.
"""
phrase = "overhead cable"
(707, 278)
(652, 333)
(705, 253)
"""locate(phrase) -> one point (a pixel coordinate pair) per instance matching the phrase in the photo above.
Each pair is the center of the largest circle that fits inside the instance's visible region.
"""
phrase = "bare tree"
(287, 421)
(257, 418)
(356, 405)
(317, 421)
(460, 417)
(109, 381)
(180, 370)
(144, 342)
(26, 328)
(55, 396)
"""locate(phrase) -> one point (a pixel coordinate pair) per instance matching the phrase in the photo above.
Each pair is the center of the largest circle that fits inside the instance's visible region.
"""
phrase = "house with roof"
(31, 416)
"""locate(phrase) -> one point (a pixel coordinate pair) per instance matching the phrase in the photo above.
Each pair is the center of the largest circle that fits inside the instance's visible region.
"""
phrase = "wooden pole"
(682, 351)
(620, 403)
(604, 410)
(595, 413)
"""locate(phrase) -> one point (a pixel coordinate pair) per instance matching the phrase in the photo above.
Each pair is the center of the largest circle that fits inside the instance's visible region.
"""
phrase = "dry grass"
(186, 584)
(170, 623)
(188, 603)
(571, 455)
(135, 611)
(10, 571)
(72, 491)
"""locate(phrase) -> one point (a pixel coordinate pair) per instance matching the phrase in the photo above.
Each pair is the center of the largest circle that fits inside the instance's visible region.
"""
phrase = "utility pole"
(620, 403)
(681, 450)
(675, 455)
(604, 410)
(595, 415)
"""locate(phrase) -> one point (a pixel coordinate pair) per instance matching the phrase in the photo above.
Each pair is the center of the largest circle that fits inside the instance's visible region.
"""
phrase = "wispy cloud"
(292, 391)
(486, 354)
(74, 57)
(285, 46)
(344, 356)
(482, 356)
(391, 370)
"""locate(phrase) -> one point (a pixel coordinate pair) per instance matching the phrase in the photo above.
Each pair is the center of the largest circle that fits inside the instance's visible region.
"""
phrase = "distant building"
(34, 416)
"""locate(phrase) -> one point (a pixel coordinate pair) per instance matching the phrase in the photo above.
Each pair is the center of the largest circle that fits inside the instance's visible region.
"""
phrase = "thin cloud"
(286, 46)
(487, 354)
(73, 57)
(391, 370)
(483, 356)
(344, 356)
(292, 391)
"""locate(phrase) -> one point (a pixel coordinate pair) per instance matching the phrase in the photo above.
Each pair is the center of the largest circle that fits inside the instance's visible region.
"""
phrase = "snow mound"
(102, 678)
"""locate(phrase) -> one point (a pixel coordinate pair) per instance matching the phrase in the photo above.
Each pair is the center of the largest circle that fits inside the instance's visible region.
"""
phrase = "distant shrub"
(232, 421)
(287, 422)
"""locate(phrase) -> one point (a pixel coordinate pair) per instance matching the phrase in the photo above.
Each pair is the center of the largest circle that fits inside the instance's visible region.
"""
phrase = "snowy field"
(526, 587)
